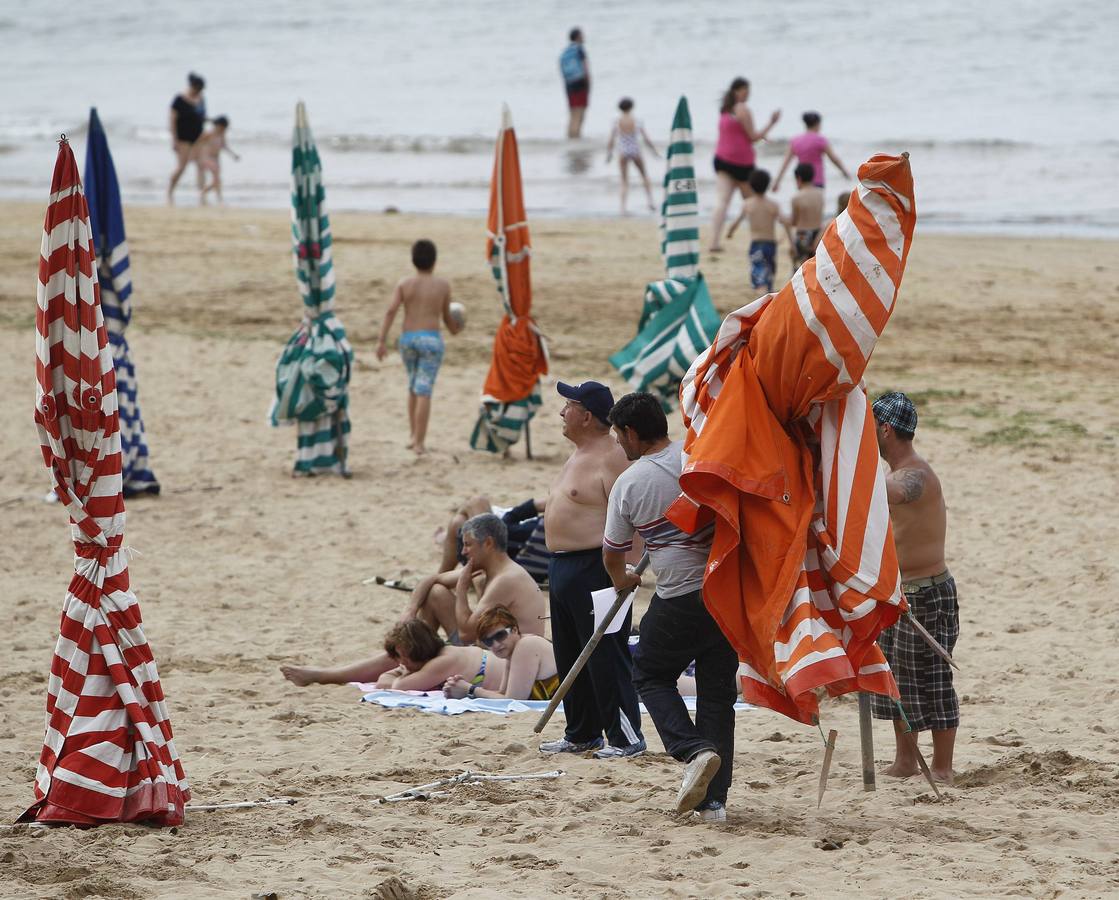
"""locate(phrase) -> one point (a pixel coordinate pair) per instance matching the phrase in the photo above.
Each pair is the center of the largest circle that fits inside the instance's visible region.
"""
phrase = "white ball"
(458, 313)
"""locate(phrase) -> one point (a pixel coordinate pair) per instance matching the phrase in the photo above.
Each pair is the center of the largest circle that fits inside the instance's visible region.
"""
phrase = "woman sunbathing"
(415, 659)
(530, 665)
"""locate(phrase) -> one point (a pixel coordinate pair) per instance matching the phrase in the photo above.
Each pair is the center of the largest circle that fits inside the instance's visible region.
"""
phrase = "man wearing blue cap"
(918, 516)
(602, 699)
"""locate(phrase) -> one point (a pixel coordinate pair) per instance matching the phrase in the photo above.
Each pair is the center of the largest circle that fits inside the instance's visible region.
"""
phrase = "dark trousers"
(602, 698)
(675, 631)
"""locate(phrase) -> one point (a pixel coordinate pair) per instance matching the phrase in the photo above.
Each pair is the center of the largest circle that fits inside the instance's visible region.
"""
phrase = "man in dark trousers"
(602, 698)
(677, 627)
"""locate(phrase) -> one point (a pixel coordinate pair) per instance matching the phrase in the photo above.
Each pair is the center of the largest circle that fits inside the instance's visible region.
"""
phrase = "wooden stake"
(931, 641)
(829, 749)
(925, 769)
(866, 739)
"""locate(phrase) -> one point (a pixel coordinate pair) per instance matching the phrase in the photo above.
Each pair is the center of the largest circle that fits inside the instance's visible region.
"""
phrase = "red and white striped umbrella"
(108, 754)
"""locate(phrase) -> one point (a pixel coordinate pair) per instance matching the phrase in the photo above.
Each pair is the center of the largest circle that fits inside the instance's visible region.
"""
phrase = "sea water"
(1007, 107)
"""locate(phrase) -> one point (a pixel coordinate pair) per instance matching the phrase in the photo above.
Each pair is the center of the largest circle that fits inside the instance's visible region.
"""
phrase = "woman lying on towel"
(415, 659)
(530, 665)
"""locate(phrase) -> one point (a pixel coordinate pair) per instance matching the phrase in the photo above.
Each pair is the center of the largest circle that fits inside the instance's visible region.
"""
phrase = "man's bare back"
(575, 514)
(918, 516)
(808, 208)
(426, 299)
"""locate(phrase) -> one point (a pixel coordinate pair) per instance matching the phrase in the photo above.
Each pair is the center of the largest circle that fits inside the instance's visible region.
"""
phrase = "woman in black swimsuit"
(188, 115)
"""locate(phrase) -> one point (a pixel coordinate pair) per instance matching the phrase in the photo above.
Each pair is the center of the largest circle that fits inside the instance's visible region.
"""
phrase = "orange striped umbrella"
(511, 391)
(803, 574)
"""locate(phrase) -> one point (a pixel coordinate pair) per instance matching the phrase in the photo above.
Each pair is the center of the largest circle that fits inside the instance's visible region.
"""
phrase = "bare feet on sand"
(298, 675)
(940, 777)
(902, 770)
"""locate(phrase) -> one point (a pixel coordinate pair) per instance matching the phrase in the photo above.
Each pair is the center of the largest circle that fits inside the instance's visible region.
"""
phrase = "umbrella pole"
(577, 666)
(528, 441)
(866, 738)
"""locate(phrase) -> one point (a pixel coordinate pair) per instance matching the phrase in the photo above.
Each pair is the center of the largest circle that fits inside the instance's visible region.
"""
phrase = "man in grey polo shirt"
(677, 627)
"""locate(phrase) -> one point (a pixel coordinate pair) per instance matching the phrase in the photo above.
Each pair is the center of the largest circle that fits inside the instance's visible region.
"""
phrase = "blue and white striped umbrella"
(106, 219)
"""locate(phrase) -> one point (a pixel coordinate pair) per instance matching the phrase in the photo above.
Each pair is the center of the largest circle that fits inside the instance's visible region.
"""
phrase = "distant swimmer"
(576, 81)
(427, 302)
(628, 134)
(734, 153)
(918, 516)
(810, 148)
(188, 117)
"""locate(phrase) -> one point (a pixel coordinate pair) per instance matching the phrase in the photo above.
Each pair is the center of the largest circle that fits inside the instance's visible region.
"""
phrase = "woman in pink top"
(734, 153)
(811, 148)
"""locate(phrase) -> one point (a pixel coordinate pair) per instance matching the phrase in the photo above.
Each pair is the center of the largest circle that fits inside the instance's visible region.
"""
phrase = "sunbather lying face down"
(530, 670)
(414, 659)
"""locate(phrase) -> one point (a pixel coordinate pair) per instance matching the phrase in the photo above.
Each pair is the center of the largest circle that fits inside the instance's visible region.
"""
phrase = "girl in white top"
(629, 133)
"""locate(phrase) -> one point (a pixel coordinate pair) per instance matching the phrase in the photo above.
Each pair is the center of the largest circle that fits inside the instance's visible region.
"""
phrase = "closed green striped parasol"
(313, 374)
(678, 320)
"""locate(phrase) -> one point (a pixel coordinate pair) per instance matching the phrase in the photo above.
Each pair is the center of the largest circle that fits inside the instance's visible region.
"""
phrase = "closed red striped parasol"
(108, 754)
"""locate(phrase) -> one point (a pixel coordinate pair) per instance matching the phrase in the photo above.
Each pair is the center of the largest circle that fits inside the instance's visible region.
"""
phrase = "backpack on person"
(571, 63)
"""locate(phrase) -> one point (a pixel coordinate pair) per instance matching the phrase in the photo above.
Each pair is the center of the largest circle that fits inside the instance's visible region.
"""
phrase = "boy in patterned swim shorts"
(917, 513)
(427, 303)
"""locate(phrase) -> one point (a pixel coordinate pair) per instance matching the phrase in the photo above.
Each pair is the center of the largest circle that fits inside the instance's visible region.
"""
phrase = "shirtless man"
(427, 302)
(807, 216)
(602, 698)
(763, 213)
(917, 513)
(441, 600)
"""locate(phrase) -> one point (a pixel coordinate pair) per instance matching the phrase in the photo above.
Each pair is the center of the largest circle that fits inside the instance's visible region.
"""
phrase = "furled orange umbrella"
(781, 453)
(511, 394)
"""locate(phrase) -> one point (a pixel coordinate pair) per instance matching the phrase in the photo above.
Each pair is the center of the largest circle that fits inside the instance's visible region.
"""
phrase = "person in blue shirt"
(576, 80)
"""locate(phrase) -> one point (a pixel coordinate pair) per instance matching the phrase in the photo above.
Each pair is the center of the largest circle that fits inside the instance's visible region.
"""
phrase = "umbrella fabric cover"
(108, 754)
(313, 374)
(511, 394)
(677, 318)
(106, 218)
(781, 452)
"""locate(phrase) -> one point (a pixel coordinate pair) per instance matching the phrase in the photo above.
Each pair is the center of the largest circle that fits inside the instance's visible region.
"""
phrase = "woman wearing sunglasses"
(530, 665)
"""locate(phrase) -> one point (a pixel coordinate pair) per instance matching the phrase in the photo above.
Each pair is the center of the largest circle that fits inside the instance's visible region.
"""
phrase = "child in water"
(209, 149)
(629, 133)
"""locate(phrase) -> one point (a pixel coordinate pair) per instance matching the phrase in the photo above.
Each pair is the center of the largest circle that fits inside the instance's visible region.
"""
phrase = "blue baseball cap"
(595, 396)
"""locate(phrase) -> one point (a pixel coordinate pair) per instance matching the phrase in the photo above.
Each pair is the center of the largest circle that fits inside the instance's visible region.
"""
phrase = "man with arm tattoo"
(917, 513)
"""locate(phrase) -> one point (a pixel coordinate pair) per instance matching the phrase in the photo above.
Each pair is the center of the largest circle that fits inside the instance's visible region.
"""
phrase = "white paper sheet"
(603, 600)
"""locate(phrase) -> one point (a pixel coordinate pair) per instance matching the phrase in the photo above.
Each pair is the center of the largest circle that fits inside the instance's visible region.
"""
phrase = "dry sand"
(1008, 347)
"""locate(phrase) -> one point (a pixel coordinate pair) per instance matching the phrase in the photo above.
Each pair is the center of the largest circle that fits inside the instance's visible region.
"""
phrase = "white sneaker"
(712, 811)
(697, 776)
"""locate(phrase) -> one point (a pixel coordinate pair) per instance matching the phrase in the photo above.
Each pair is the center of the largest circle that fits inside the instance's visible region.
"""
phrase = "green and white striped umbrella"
(313, 373)
(678, 320)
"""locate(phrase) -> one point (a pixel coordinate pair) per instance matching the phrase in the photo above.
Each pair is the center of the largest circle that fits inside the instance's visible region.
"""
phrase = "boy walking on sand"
(763, 214)
(427, 302)
(807, 215)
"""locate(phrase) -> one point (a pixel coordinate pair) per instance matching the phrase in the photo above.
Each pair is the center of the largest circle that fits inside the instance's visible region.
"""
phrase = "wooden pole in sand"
(577, 666)
(866, 738)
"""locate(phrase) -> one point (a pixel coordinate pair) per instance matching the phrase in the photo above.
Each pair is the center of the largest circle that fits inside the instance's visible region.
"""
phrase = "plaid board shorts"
(924, 679)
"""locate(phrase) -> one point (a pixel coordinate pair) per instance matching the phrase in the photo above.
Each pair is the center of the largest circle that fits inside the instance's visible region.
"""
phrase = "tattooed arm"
(905, 486)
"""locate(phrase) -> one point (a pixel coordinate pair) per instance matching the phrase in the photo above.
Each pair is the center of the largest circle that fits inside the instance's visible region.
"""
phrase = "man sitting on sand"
(427, 302)
(415, 659)
(441, 600)
(530, 664)
(918, 516)
(525, 529)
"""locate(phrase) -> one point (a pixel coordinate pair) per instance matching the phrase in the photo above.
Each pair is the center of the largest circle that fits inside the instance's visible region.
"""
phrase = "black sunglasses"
(495, 637)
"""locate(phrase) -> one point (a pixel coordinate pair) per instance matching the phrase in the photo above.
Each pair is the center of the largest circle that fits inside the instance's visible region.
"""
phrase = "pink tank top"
(734, 146)
(809, 148)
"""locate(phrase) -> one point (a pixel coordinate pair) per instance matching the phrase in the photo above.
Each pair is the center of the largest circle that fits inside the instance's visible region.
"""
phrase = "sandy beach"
(1007, 346)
